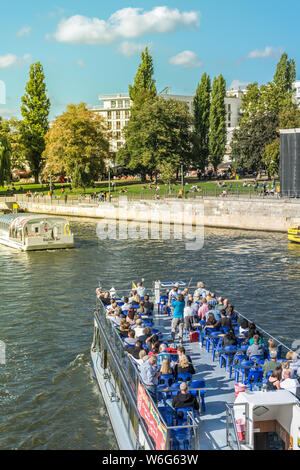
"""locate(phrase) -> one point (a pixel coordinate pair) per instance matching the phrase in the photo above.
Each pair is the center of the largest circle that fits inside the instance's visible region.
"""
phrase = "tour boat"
(233, 416)
(294, 234)
(30, 232)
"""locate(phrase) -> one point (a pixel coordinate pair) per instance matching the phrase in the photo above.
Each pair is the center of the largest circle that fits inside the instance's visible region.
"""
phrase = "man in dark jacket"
(185, 399)
(136, 350)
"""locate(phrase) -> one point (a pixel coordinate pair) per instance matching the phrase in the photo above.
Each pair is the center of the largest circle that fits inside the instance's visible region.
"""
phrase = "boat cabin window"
(36, 229)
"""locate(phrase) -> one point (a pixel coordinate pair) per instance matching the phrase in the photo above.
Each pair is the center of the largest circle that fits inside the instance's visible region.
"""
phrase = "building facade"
(297, 92)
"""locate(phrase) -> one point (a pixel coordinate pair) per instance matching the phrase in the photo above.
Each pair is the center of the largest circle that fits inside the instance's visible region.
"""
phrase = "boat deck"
(212, 429)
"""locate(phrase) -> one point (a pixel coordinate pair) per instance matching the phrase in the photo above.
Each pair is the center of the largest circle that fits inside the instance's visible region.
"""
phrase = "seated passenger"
(292, 357)
(229, 339)
(184, 366)
(142, 309)
(166, 368)
(271, 364)
(232, 314)
(138, 327)
(146, 334)
(185, 399)
(255, 349)
(224, 321)
(140, 289)
(244, 327)
(273, 382)
(154, 348)
(124, 328)
(130, 316)
(127, 304)
(136, 350)
(130, 340)
(163, 354)
(210, 321)
(181, 352)
(288, 382)
(271, 346)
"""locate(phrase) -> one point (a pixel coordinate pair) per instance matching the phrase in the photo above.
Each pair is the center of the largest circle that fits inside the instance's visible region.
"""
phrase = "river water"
(48, 398)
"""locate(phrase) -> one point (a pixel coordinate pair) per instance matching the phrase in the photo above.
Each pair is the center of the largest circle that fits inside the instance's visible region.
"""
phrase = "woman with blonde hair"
(166, 368)
(184, 366)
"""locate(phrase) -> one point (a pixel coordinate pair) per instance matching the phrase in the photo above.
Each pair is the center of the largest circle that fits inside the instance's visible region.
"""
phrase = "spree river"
(48, 398)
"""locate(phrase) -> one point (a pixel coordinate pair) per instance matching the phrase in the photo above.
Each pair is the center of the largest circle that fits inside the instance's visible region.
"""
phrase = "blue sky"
(93, 47)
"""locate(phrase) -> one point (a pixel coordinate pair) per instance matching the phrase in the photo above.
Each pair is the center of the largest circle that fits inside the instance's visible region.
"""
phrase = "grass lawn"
(137, 189)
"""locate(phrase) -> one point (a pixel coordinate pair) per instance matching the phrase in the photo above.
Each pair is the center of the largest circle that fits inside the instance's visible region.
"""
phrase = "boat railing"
(237, 425)
(124, 374)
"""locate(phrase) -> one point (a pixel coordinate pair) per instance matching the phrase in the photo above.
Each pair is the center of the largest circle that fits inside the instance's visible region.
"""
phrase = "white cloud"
(129, 49)
(24, 31)
(186, 59)
(237, 84)
(8, 112)
(80, 63)
(126, 23)
(269, 51)
(10, 60)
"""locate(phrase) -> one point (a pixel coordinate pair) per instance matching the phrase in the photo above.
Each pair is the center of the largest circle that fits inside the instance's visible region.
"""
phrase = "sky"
(93, 47)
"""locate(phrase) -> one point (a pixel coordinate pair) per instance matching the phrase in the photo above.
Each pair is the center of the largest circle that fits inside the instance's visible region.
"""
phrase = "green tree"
(5, 154)
(144, 84)
(35, 111)
(77, 145)
(201, 122)
(217, 120)
(285, 74)
(249, 141)
(159, 131)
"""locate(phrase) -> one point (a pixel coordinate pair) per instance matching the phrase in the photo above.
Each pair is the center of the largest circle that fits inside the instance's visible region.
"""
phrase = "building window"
(127, 103)
(113, 104)
(109, 125)
(118, 124)
(120, 104)
(229, 108)
(118, 114)
(108, 114)
(126, 114)
(118, 135)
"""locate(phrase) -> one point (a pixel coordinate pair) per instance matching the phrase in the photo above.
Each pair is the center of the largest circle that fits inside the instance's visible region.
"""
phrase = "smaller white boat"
(30, 232)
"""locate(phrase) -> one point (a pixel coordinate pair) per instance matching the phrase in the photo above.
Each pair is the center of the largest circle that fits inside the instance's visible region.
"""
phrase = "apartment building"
(115, 109)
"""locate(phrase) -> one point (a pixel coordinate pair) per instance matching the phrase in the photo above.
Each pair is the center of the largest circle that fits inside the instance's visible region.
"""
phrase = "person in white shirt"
(140, 289)
(188, 315)
(138, 328)
(126, 305)
(200, 291)
(288, 383)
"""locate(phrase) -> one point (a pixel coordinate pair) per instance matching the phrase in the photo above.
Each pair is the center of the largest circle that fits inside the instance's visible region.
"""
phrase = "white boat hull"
(38, 243)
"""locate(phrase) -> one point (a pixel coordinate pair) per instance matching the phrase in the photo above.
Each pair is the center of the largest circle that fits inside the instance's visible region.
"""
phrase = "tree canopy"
(217, 120)
(5, 155)
(35, 111)
(77, 145)
(159, 131)
(144, 84)
(201, 122)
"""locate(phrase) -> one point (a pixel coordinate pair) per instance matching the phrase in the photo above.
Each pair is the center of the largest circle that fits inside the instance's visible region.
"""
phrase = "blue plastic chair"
(165, 380)
(184, 376)
(199, 384)
(255, 376)
(168, 414)
(244, 347)
(180, 439)
(229, 352)
(210, 338)
(176, 387)
(258, 359)
(185, 410)
(225, 329)
(242, 371)
(217, 346)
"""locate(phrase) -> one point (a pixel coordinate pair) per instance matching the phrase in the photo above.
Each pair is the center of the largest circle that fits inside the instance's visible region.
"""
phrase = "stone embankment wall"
(251, 214)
